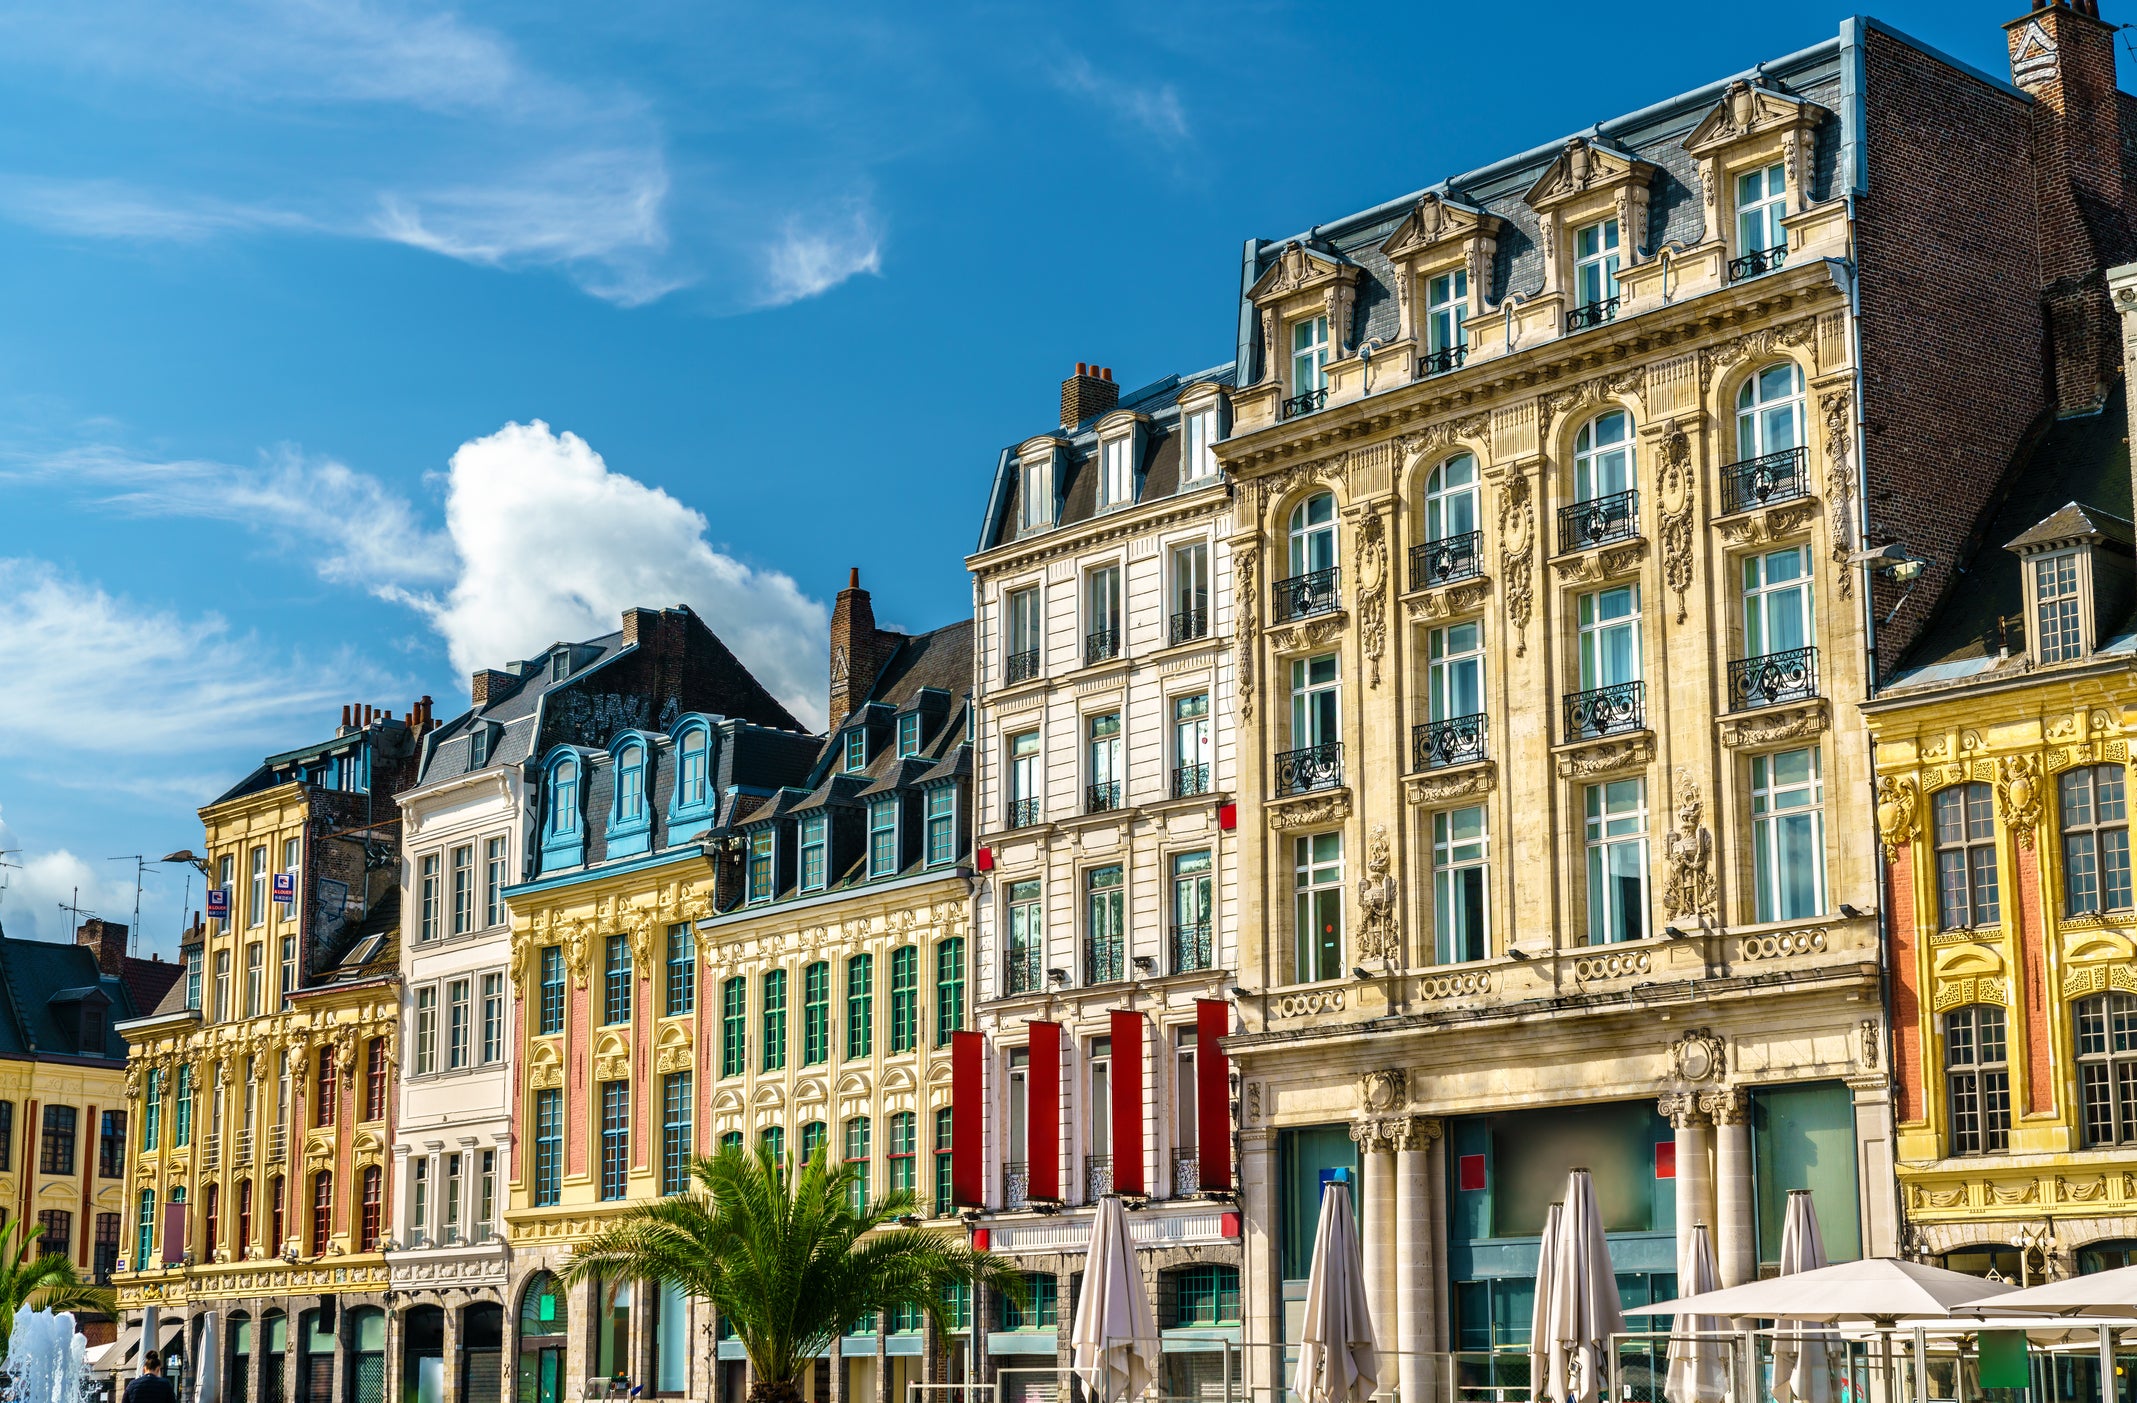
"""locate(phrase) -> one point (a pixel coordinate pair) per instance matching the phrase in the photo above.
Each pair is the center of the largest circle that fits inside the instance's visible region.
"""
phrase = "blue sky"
(346, 346)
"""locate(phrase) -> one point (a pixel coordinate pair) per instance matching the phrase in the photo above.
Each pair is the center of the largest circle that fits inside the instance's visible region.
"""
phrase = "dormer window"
(1761, 201)
(815, 851)
(1446, 315)
(631, 784)
(2058, 621)
(1198, 444)
(478, 746)
(760, 864)
(883, 835)
(909, 734)
(1309, 355)
(856, 750)
(564, 798)
(1035, 490)
(563, 835)
(2076, 571)
(690, 768)
(1116, 478)
(1595, 269)
(560, 665)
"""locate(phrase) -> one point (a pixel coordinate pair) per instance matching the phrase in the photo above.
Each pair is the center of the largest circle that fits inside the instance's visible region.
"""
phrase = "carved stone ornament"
(1384, 1090)
(1449, 602)
(545, 1076)
(1774, 725)
(1606, 757)
(1439, 788)
(1680, 1109)
(614, 1068)
(1310, 635)
(2018, 795)
(1699, 1055)
(1243, 600)
(1837, 407)
(639, 922)
(1591, 567)
(575, 951)
(1372, 592)
(1724, 1106)
(1898, 802)
(1517, 553)
(1689, 850)
(1674, 491)
(1379, 935)
(1759, 528)
(1316, 813)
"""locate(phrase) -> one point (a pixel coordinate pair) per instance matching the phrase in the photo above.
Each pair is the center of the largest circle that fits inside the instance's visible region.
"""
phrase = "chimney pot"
(345, 716)
(853, 577)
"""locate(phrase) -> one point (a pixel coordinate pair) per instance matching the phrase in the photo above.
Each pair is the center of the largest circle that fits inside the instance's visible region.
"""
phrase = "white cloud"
(1153, 107)
(110, 209)
(34, 885)
(812, 257)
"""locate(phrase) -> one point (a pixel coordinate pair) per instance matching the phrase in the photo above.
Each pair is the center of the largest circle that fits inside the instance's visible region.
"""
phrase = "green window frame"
(945, 1139)
(552, 1016)
(813, 1136)
(860, 1006)
(883, 836)
(815, 852)
(1205, 1296)
(816, 1013)
(734, 1026)
(775, 1020)
(857, 1149)
(909, 734)
(856, 749)
(941, 825)
(900, 1153)
(949, 988)
(905, 998)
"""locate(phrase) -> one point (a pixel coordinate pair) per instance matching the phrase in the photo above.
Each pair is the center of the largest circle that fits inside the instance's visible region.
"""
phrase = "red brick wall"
(1907, 1032)
(579, 1127)
(644, 1091)
(2033, 973)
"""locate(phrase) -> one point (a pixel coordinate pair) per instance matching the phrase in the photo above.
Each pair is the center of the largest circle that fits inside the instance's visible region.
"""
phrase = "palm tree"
(29, 1276)
(786, 1259)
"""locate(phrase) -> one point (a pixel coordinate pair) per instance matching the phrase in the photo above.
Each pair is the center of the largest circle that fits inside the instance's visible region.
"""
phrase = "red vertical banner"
(1128, 1036)
(1042, 1115)
(174, 1233)
(1213, 1094)
(968, 1113)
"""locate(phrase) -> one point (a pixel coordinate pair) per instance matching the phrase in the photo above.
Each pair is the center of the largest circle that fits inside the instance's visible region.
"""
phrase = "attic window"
(856, 750)
(1116, 483)
(365, 949)
(560, 665)
(478, 747)
(909, 734)
(2059, 629)
(90, 1039)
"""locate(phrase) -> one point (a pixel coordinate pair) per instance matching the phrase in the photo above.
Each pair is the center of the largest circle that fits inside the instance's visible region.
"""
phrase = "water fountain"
(44, 1358)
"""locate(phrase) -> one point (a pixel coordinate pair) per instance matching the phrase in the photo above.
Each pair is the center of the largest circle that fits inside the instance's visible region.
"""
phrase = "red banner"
(968, 1114)
(1042, 1115)
(1128, 1036)
(1213, 1094)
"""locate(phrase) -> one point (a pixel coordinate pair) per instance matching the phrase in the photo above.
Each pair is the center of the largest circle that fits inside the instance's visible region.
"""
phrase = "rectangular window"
(1023, 632)
(775, 1020)
(1977, 1079)
(1309, 355)
(1191, 745)
(1317, 885)
(256, 907)
(909, 734)
(816, 1014)
(1595, 263)
(734, 1027)
(56, 1154)
(1461, 885)
(426, 1029)
(1190, 593)
(1116, 474)
(1035, 492)
(856, 749)
(1454, 678)
(1314, 708)
(289, 865)
(193, 978)
(463, 889)
(222, 986)
(1777, 602)
(857, 1160)
(904, 998)
(1617, 861)
(1967, 888)
(761, 844)
(1761, 201)
(1023, 779)
(899, 1151)
(548, 1147)
(883, 836)
(289, 968)
(552, 1000)
(815, 852)
(419, 1196)
(1446, 310)
(149, 1130)
(615, 1139)
(1192, 909)
(429, 897)
(1610, 637)
(1105, 929)
(949, 988)
(1102, 761)
(1027, 938)
(1101, 614)
(680, 995)
(493, 1019)
(2096, 845)
(451, 1197)
(675, 1132)
(860, 1006)
(945, 1141)
(616, 1005)
(459, 1023)
(1788, 835)
(255, 977)
(2055, 600)
(55, 1227)
(1198, 445)
(941, 825)
(485, 1195)
(111, 1146)
(375, 1080)
(493, 882)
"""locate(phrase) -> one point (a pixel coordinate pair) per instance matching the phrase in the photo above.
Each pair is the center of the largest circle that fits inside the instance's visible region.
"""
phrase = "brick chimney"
(2063, 54)
(105, 940)
(855, 650)
(489, 685)
(640, 625)
(1087, 394)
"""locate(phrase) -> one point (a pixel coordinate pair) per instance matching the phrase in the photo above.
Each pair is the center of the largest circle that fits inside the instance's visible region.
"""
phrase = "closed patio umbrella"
(1584, 1305)
(1803, 1363)
(1113, 1341)
(1698, 1371)
(1544, 1356)
(1338, 1360)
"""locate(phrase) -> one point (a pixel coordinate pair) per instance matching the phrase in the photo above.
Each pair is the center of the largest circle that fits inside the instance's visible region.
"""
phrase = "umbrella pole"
(1921, 1365)
(2107, 1363)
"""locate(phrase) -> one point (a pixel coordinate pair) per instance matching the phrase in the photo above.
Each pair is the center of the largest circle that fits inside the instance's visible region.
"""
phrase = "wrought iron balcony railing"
(1186, 1173)
(1446, 560)
(1773, 678)
(1591, 314)
(1190, 780)
(1189, 624)
(1023, 813)
(1097, 1177)
(1780, 476)
(1309, 768)
(1020, 667)
(278, 1144)
(1022, 974)
(1303, 596)
(1100, 644)
(1306, 403)
(1191, 947)
(1759, 260)
(1103, 797)
(1606, 711)
(1599, 521)
(1440, 362)
(1016, 1184)
(1458, 740)
(1102, 959)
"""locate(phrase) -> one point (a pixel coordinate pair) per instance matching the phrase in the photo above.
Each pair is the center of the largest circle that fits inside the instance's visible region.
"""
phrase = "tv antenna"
(133, 932)
(76, 909)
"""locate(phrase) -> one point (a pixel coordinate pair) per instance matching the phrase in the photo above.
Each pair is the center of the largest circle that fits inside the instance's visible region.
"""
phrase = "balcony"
(1020, 667)
(1103, 797)
(1309, 768)
(1606, 711)
(1599, 521)
(1102, 960)
(1023, 975)
(1189, 625)
(1100, 645)
(1773, 679)
(1780, 476)
(1759, 260)
(1307, 403)
(1016, 1185)
(1591, 314)
(1303, 596)
(1097, 1177)
(1447, 560)
(1191, 947)
(1190, 780)
(1440, 362)
(1023, 813)
(1458, 740)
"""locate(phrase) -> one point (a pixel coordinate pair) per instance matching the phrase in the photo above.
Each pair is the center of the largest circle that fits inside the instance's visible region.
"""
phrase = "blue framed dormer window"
(909, 734)
(630, 817)
(942, 825)
(563, 820)
(883, 835)
(815, 851)
(761, 845)
(856, 749)
(690, 810)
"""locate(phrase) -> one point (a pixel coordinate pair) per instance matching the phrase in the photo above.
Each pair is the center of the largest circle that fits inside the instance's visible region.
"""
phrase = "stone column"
(1376, 1153)
(1736, 1203)
(1695, 1174)
(1417, 1264)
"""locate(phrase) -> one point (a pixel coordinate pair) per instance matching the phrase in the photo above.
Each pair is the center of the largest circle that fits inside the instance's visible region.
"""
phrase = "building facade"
(1107, 914)
(262, 1088)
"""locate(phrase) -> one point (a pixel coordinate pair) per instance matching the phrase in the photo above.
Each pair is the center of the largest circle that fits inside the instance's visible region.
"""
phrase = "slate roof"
(447, 752)
(37, 979)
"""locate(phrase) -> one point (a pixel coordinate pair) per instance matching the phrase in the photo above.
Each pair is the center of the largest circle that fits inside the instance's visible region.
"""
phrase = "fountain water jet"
(44, 1358)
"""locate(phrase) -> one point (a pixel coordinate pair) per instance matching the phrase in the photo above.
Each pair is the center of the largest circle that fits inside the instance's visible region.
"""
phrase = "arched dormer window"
(630, 816)
(1451, 537)
(563, 831)
(564, 797)
(1313, 585)
(690, 807)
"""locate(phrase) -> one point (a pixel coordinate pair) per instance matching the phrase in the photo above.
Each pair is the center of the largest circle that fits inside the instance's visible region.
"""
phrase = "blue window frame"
(675, 1136)
(563, 828)
(615, 1139)
(942, 825)
(883, 835)
(909, 734)
(630, 816)
(548, 1147)
(857, 749)
(815, 851)
(690, 807)
(682, 969)
(616, 1006)
(552, 1012)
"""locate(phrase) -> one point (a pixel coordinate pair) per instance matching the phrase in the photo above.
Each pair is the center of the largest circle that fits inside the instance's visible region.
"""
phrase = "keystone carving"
(1689, 850)
(1698, 1056)
(1383, 1090)
(2018, 795)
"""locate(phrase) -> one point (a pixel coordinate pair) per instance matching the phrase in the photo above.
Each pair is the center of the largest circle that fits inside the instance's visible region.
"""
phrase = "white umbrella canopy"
(2102, 1293)
(1803, 1362)
(1699, 1366)
(1874, 1289)
(1546, 1366)
(1338, 1360)
(1584, 1296)
(1113, 1341)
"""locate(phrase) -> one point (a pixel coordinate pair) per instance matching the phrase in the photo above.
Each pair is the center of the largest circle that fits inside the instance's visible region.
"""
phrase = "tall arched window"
(1602, 457)
(1451, 498)
(690, 767)
(2107, 1068)
(1977, 1080)
(631, 783)
(564, 797)
(1769, 412)
(1313, 534)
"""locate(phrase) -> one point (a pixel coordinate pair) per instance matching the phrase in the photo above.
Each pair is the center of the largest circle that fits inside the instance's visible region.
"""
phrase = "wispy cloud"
(1152, 108)
(812, 256)
(112, 209)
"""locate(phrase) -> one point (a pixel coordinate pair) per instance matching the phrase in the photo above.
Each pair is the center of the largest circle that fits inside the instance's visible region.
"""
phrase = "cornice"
(1212, 500)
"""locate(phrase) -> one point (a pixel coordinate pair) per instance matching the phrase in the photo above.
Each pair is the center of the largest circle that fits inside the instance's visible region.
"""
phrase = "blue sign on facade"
(285, 887)
(219, 903)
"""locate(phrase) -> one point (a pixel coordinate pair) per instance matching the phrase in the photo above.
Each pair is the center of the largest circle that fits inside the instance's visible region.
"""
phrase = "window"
(145, 1230)
(2107, 1068)
(1451, 499)
(941, 823)
(1041, 1309)
(774, 1140)
(1035, 492)
(1313, 702)
(459, 1023)
(1617, 861)
(734, 1026)
(111, 1146)
(1602, 457)
(1198, 445)
(430, 897)
(244, 1215)
(419, 1197)
(813, 1136)
(1318, 919)
(860, 1006)
(690, 768)
(1312, 535)
(289, 866)
(151, 1120)
(857, 1160)
(1102, 759)
(1777, 602)
(478, 745)
(463, 889)
(493, 1018)
(1761, 200)
(616, 1003)
(1191, 911)
(680, 993)
(1190, 745)
(1024, 633)
(760, 864)
(1966, 857)
(255, 977)
(277, 1212)
(2058, 626)
(56, 1152)
(675, 1132)
(256, 907)
(222, 986)
(909, 734)
(1027, 938)
(949, 988)
(1105, 930)
(452, 1197)
(1610, 638)
(1446, 308)
(1190, 592)
(1206, 1296)
(883, 835)
(631, 784)
(945, 1140)
(485, 1195)
(373, 1207)
(1309, 355)
(1186, 1111)
(426, 1030)
(1978, 1079)
(55, 1226)
(182, 1107)
(1455, 672)
(856, 749)
(322, 1211)
(328, 1086)
(1461, 885)
(1788, 835)
(1595, 263)
(815, 844)
(904, 998)
(564, 798)
(615, 1138)
(289, 967)
(105, 1260)
(375, 1079)
(775, 1020)
(1769, 412)
(548, 1147)
(899, 1151)
(2096, 841)
(193, 978)
(1101, 614)
(552, 980)
(1023, 779)
(1116, 475)
(816, 1014)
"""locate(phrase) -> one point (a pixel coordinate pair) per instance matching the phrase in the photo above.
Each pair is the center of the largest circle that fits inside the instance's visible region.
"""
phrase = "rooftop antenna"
(5, 854)
(133, 932)
(75, 909)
